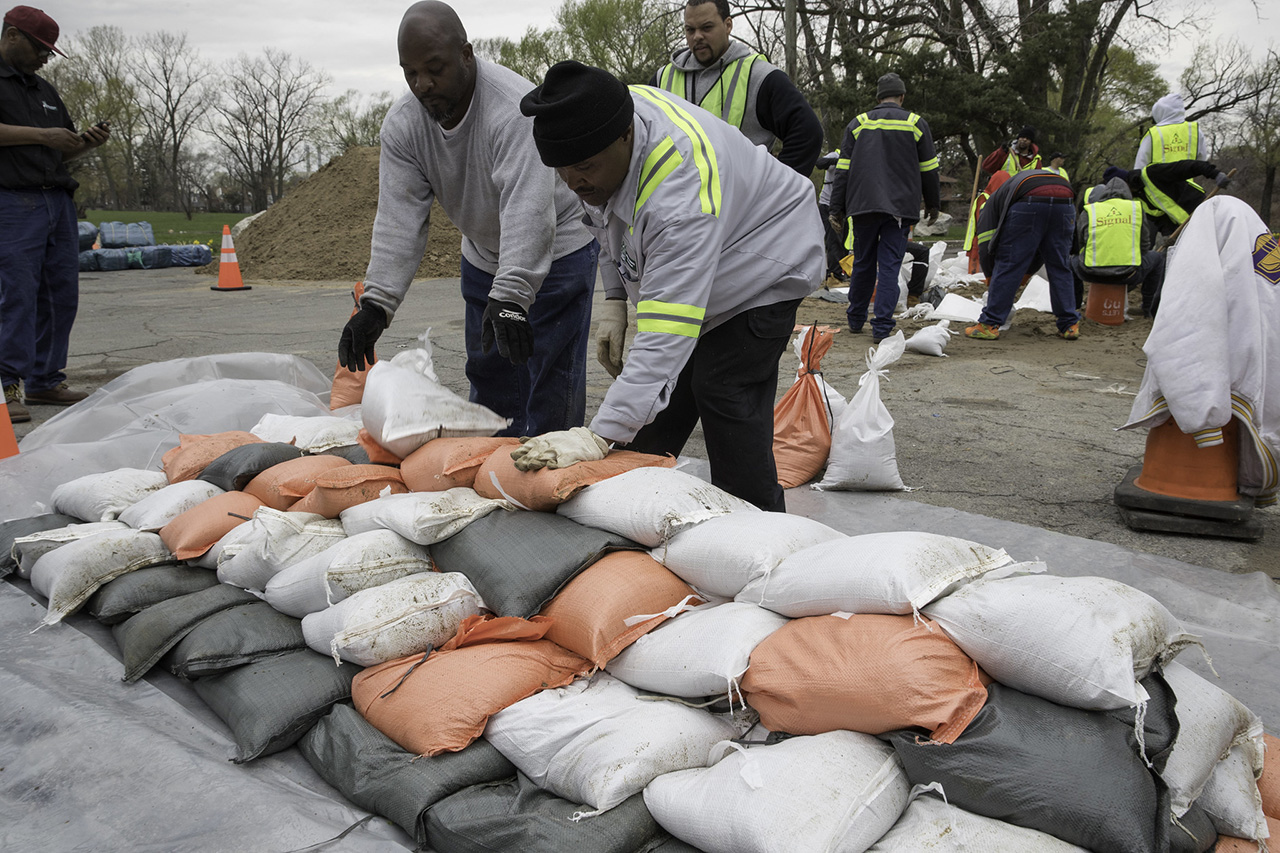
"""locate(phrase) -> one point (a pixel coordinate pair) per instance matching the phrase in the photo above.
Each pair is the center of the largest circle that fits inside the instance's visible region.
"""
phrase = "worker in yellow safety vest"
(1056, 159)
(1016, 156)
(1167, 191)
(1116, 243)
(1172, 138)
(728, 79)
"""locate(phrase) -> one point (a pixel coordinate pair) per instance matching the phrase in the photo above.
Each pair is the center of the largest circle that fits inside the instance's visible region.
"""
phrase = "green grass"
(203, 228)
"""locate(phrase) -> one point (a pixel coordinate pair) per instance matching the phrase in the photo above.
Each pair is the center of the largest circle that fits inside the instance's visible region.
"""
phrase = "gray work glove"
(559, 449)
(611, 335)
(355, 347)
(507, 325)
(1222, 180)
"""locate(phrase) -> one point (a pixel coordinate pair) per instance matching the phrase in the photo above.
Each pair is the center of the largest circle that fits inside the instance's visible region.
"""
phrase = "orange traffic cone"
(228, 267)
(1175, 466)
(8, 439)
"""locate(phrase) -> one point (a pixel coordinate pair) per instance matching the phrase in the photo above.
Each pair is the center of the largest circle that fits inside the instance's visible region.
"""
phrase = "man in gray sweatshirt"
(528, 263)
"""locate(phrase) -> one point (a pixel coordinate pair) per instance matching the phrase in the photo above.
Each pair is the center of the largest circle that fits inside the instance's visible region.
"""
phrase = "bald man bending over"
(528, 263)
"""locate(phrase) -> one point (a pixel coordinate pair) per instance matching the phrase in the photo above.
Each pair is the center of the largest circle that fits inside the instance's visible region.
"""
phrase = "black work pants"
(832, 244)
(730, 383)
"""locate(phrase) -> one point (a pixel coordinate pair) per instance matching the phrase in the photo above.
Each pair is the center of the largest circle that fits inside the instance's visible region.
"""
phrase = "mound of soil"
(320, 230)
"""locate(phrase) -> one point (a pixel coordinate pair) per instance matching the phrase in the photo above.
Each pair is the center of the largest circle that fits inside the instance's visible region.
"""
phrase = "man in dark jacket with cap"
(39, 239)
(887, 161)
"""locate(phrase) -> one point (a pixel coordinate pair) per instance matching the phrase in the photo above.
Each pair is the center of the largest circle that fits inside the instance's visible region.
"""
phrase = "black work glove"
(355, 347)
(507, 324)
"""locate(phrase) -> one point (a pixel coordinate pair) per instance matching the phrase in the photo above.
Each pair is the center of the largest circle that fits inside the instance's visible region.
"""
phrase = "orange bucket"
(1174, 466)
(1106, 303)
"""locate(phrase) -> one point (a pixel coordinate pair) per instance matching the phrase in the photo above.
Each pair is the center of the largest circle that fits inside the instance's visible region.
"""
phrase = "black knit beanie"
(1029, 132)
(578, 111)
(889, 86)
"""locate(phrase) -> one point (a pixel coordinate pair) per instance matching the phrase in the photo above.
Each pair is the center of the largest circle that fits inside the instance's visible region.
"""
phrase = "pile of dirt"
(320, 230)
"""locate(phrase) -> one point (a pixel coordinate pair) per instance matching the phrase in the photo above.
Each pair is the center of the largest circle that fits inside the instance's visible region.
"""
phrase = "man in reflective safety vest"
(727, 79)
(1016, 156)
(1116, 243)
(714, 241)
(1167, 191)
(1056, 159)
(1172, 138)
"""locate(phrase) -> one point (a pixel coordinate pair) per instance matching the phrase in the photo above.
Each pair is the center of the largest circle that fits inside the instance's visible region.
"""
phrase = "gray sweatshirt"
(514, 215)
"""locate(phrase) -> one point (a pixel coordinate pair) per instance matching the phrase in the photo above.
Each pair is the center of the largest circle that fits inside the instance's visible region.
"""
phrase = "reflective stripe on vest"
(973, 218)
(704, 156)
(727, 100)
(671, 318)
(1115, 233)
(662, 161)
(1011, 164)
(1164, 203)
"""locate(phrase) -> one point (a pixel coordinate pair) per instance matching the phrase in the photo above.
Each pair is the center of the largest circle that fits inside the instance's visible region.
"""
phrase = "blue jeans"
(549, 391)
(39, 285)
(1030, 228)
(878, 247)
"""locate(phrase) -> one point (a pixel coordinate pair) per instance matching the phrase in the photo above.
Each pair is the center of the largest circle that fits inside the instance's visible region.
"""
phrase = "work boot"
(18, 413)
(59, 395)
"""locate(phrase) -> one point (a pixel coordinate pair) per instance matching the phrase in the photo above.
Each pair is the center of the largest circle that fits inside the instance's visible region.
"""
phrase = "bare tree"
(349, 121)
(173, 89)
(264, 118)
(1258, 131)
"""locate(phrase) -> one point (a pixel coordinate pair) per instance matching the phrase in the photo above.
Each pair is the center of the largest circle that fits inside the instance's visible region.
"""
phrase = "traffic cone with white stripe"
(228, 267)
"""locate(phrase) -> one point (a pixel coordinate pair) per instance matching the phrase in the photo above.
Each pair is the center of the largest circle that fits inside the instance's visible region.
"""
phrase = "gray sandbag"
(518, 561)
(12, 529)
(112, 260)
(235, 637)
(88, 233)
(146, 637)
(515, 814)
(190, 255)
(139, 234)
(1193, 833)
(375, 773)
(270, 704)
(135, 592)
(114, 235)
(88, 261)
(1072, 773)
(233, 470)
(670, 844)
(353, 453)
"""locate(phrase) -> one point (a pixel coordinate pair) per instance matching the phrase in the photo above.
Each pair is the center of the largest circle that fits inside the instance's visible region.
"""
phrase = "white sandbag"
(231, 540)
(1035, 296)
(356, 563)
(275, 540)
(161, 507)
(310, 435)
(931, 340)
(1082, 642)
(102, 497)
(722, 554)
(1231, 797)
(405, 406)
(863, 456)
(650, 505)
(835, 791)
(596, 742)
(403, 617)
(28, 549)
(702, 652)
(929, 824)
(959, 308)
(893, 573)
(422, 517)
(68, 575)
(1210, 722)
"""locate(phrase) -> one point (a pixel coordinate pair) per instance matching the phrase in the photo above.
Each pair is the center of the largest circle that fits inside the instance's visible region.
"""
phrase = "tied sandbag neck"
(809, 336)
(409, 672)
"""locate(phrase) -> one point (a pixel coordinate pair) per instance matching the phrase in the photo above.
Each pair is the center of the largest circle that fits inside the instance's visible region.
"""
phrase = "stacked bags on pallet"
(133, 246)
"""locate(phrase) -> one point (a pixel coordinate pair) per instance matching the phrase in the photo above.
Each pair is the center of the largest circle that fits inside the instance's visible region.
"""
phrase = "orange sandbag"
(544, 490)
(590, 614)
(348, 386)
(442, 703)
(195, 531)
(281, 486)
(188, 460)
(378, 454)
(449, 463)
(1269, 784)
(802, 418)
(1229, 844)
(869, 673)
(345, 487)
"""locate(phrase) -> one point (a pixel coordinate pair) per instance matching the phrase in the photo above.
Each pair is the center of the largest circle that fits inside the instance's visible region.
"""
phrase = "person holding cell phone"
(39, 250)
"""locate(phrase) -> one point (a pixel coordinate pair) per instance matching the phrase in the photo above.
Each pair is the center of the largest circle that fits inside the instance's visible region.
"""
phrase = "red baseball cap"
(34, 23)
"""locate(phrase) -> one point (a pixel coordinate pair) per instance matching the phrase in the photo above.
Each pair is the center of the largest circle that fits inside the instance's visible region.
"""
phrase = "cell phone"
(102, 124)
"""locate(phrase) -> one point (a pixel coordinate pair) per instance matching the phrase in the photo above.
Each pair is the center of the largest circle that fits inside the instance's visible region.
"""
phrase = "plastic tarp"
(89, 761)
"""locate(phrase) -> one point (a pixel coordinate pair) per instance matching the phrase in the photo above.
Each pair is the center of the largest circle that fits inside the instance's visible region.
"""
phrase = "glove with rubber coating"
(507, 325)
(1222, 179)
(355, 347)
(559, 449)
(611, 335)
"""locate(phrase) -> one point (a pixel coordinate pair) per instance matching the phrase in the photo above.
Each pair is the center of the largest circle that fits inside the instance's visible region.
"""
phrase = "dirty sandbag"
(376, 774)
(863, 454)
(146, 637)
(132, 593)
(164, 505)
(422, 517)
(102, 497)
(310, 434)
(515, 814)
(233, 470)
(270, 704)
(68, 575)
(931, 340)
(234, 637)
(12, 529)
(275, 540)
(803, 418)
(404, 405)
(27, 549)
(192, 533)
(930, 823)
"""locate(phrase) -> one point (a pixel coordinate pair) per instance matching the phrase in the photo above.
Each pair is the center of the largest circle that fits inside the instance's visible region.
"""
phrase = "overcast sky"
(354, 40)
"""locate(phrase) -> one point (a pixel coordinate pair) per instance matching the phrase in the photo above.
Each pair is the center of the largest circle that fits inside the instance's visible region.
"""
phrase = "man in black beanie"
(1016, 156)
(713, 240)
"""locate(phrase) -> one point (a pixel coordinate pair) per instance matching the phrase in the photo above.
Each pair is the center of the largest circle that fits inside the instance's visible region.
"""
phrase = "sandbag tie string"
(409, 672)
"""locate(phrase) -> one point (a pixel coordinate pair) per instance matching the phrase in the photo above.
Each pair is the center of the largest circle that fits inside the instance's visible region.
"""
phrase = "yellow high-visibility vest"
(1115, 233)
(727, 98)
